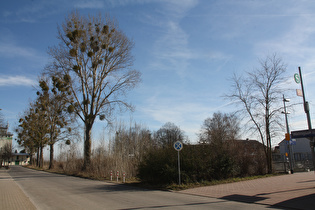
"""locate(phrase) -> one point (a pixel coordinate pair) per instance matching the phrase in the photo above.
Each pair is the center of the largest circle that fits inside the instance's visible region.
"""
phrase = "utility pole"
(307, 112)
(306, 105)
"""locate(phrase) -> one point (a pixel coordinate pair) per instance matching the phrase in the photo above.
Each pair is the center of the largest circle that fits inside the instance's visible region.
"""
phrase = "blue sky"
(186, 51)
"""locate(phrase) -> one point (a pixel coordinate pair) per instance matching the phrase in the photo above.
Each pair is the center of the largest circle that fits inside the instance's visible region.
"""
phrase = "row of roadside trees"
(45, 122)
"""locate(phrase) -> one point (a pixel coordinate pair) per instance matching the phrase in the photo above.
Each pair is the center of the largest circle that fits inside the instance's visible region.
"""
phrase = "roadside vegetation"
(148, 159)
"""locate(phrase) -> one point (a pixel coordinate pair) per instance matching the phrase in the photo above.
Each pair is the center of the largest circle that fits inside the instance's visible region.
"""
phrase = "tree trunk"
(32, 162)
(37, 161)
(268, 138)
(87, 146)
(51, 160)
(269, 153)
(41, 158)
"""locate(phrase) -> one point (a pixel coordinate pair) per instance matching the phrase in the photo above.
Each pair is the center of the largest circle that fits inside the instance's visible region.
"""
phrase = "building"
(5, 144)
(19, 159)
(299, 154)
(13, 158)
(5, 137)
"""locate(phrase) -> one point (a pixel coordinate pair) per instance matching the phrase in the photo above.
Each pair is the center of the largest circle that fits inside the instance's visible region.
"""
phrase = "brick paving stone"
(11, 195)
(295, 191)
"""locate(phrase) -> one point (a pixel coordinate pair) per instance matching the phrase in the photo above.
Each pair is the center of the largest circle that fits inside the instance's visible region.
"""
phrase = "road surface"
(52, 191)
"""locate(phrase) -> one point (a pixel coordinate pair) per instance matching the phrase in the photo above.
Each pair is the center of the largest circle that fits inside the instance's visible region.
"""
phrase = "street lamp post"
(287, 136)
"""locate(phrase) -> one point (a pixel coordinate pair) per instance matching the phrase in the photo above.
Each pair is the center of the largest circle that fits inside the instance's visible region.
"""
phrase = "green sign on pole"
(297, 78)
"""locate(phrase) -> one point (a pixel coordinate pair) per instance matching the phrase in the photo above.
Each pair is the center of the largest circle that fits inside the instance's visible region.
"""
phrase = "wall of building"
(5, 137)
(18, 159)
(300, 152)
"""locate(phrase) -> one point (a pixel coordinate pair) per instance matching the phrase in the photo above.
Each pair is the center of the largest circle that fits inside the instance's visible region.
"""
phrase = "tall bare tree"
(93, 64)
(260, 95)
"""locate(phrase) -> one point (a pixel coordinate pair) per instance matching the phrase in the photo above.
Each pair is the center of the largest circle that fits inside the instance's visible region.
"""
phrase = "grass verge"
(176, 187)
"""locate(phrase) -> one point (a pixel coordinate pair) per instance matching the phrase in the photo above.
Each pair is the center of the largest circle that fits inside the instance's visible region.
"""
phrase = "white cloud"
(16, 81)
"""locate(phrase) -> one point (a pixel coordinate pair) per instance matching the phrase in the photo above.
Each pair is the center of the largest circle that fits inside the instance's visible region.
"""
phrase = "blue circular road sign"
(178, 146)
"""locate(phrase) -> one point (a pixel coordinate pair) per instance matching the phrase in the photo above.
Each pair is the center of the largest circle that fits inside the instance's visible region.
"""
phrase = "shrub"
(159, 167)
(198, 163)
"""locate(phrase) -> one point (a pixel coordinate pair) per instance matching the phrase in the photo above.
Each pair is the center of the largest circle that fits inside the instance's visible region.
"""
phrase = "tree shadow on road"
(306, 202)
(243, 198)
(112, 188)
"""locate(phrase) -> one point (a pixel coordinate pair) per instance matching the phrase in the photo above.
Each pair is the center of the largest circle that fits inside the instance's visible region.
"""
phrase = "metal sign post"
(287, 135)
(178, 146)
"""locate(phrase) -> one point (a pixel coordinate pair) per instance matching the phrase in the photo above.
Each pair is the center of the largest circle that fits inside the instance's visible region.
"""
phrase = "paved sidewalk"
(11, 195)
(291, 191)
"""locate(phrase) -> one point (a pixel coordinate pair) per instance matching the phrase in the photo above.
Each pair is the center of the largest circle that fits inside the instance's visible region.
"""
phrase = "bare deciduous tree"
(168, 134)
(93, 65)
(219, 128)
(129, 146)
(260, 95)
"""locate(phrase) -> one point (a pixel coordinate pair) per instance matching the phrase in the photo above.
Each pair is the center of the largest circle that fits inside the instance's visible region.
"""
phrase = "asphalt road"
(53, 191)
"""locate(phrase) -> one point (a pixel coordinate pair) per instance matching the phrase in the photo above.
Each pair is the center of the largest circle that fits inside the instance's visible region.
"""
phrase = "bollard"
(124, 177)
(111, 175)
(117, 175)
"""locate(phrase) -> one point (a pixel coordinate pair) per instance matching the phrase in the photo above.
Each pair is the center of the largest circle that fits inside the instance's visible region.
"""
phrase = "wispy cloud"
(178, 9)
(16, 81)
(294, 40)
(171, 50)
(31, 11)
(295, 45)
(11, 50)
(19, 53)
(174, 50)
(89, 4)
